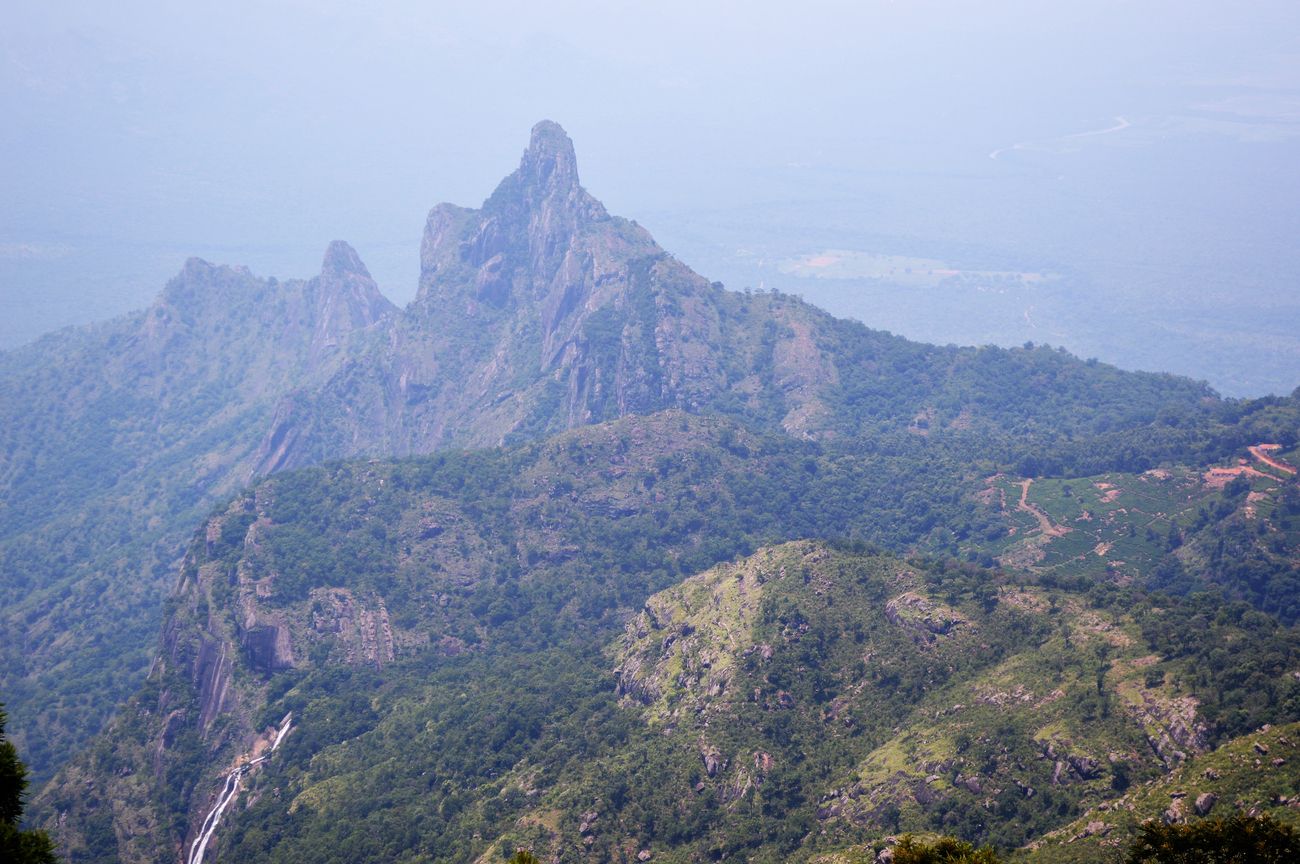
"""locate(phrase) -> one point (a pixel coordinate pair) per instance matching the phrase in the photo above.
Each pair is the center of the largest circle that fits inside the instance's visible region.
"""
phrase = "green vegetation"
(1238, 839)
(16, 845)
(946, 850)
(1250, 774)
(504, 575)
(794, 586)
(527, 558)
(117, 440)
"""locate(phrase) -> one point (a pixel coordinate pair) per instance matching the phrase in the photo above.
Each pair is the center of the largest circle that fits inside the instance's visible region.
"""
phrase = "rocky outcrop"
(634, 682)
(211, 673)
(343, 300)
(679, 655)
(539, 312)
(712, 759)
(1172, 726)
(922, 618)
(269, 648)
(362, 632)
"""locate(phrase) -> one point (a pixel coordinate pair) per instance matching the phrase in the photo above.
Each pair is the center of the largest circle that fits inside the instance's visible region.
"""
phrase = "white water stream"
(228, 793)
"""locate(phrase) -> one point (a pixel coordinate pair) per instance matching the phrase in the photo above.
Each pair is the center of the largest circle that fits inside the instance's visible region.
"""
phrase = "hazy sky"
(259, 131)
(241, 122)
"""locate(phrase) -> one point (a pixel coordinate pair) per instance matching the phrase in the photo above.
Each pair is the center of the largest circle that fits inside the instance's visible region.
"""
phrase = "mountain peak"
(546, 180)
(345, 298)
(342, 260)
(529, 224)
(549, 162)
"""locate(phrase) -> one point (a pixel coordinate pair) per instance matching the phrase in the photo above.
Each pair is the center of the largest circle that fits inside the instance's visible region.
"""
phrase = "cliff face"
(258, 595)
(541, 312)
(117, 440)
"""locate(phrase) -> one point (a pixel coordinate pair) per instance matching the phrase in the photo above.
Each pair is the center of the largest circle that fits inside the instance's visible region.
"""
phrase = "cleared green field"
(1123, 525)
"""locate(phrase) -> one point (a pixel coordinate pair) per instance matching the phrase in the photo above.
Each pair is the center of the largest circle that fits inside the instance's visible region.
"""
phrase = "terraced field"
(1121, 525)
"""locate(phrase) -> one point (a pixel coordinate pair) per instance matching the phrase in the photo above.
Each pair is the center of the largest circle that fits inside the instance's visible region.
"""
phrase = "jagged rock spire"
(344, 297)
(342, 260)
(549, 164)
(522, 234)
(546, 180)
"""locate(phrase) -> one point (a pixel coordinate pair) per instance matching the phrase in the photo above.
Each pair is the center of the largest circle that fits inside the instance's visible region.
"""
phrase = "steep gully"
(228, 793)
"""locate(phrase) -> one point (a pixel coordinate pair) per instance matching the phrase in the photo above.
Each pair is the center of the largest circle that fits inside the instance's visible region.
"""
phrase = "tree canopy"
(17, 846)
(1238, 839)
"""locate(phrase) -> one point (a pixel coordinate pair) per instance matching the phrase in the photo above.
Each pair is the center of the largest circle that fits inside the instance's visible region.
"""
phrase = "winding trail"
(1045, 524)
(228, 793)
(1261, 451)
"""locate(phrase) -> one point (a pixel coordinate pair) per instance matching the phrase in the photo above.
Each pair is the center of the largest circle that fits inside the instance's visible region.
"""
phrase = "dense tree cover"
(118, 438)
(471, 727)
(1074, 444)
(1033, 392)
(507, 573)
(527, 559)
(17, 846)
(109, 459)
(95, 515)
(1236, 660)
(945, 850)
(1237, 839)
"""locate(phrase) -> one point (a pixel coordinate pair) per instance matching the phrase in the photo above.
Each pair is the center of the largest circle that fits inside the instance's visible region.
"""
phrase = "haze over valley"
(860, 434)
(137, 141)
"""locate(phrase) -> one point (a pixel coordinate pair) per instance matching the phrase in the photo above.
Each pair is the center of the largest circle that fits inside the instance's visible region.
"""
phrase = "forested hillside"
(537, 313)
(116, 441)
(584, 553)
(475, 601)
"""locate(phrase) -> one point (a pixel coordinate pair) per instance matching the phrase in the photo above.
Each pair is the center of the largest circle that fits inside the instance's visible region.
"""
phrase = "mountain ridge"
(547, 313)
(537, 313)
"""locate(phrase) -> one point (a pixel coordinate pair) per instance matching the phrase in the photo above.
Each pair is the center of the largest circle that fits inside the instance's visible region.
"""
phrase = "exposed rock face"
(172, 405)
(713, 760)
(364, 631)
(540, 312)
(345, 297)
(924, 619)
(681, 651)
(635, 681)
(269, 647)
(522, 245)
(537, 312)
(1172, 727)
(211, 672)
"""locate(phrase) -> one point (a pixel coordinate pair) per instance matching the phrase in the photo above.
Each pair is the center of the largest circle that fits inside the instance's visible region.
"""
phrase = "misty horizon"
(1144, 158)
